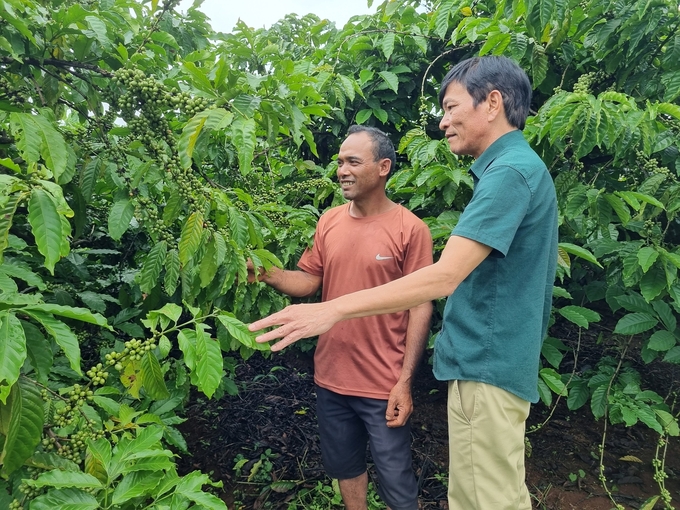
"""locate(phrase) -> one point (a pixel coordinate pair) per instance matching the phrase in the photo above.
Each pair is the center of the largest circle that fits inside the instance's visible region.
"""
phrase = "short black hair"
(481, 75)
(382, 145)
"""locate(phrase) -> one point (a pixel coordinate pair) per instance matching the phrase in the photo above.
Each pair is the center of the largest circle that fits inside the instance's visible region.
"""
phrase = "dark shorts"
(346, 425)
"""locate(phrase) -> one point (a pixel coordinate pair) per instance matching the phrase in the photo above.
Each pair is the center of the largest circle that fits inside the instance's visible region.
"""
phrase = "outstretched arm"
(293, 283)
(459, 258)
(400, 402)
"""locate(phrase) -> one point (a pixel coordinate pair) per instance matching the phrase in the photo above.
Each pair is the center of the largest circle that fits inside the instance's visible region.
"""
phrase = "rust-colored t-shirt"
(363, 357)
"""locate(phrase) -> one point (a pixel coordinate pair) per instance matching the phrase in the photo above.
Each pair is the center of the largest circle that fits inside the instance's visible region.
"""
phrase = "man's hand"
(254, 274)
(399, 405)
(295, 322)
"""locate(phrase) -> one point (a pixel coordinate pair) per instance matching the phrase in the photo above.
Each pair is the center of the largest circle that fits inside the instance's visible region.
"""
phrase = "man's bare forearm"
(293, 283)
(416, 340)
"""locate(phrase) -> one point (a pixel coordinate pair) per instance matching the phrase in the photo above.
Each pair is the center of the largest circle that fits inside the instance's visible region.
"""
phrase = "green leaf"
(71, 312)
(363, 115)
(65, 499)
(668, 108)
(62, 334)
(7, 212)
(650, 503)
(599, 401)
(579, 252)
(25, 406)
(12, 350)
(391, 79)
(191, 236)
(46, 226)
(666, 315)
(243, 138)
(186, 339)
(152, 377)
(53, 148)
(387, 44)
(39, 351)
(209, 264)
(539, 65)
(578, 395)
(135, 484)
(544, 392)
(238, 330)
(172, 270)
(579, 315)
(552, 354)
(442, 18)
(49, 461)
(208, 119)
(619, 207)
(553, 380)
(673, 356)
(147, 438)
(662, 340)
(643, 197)
(120, 215)
(634, 303)
(653, 282)
(97, 30)
(634, 323)
(27, 134)
(200, 80)
(209, 363)
(152, 267)
(165, 38)
(63, 479)
(347, 86)
(94, 301)
(647, 256)
(20, 269)
(205, 500)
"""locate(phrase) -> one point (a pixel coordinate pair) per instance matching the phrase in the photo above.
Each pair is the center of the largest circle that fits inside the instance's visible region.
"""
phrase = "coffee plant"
(144, 159)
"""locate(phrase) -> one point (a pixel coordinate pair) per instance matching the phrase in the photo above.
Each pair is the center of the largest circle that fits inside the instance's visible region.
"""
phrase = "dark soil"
(273, 420)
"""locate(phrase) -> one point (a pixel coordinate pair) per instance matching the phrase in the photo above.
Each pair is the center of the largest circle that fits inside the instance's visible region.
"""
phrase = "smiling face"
(465, 126)
(360, 175)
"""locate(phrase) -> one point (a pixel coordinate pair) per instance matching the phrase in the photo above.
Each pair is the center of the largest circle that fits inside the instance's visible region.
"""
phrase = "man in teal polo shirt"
(497, 269)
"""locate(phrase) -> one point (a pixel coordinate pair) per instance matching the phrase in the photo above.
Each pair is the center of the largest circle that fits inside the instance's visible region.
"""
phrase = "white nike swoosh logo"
(378, 257)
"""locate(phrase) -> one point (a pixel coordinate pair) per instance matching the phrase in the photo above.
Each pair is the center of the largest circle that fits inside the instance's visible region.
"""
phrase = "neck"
(372, 207)
(502, 129)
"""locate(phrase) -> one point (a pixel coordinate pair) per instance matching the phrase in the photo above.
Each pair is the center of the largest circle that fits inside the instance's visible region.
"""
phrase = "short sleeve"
(499, 204)
(419, 251)
(311, 260)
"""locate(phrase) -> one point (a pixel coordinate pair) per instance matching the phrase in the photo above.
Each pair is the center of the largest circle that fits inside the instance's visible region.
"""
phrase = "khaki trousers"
(486, 448)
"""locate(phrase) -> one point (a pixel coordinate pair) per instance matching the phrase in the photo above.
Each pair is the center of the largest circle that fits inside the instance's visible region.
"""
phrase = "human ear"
(385, 165)
(495, 104)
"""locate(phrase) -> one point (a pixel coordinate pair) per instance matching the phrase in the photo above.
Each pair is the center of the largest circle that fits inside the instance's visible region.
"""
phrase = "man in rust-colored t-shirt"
(363, 368)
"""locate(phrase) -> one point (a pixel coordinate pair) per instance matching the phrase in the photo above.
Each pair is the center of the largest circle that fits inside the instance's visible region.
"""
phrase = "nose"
(444, 123)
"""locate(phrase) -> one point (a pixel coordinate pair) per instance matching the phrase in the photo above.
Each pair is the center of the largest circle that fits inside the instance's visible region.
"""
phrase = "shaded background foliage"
(144, 158)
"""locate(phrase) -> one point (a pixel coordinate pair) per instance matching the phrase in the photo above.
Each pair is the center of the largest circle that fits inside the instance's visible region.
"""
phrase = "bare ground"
(267, 434)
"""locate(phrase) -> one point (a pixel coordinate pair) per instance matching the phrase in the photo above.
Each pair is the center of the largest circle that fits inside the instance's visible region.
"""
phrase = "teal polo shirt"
(495, 321)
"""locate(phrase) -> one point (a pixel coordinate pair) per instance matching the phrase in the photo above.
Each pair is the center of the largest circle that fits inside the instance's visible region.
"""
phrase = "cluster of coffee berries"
(133, 351)
(192, 191)
(587, 81)
(8, 92)
(73, 447)
(29, 491)
(97, 374)
(147, 213)
(76, 398)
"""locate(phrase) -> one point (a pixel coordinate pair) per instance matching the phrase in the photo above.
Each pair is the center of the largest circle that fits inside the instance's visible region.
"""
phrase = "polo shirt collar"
(493, 150)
